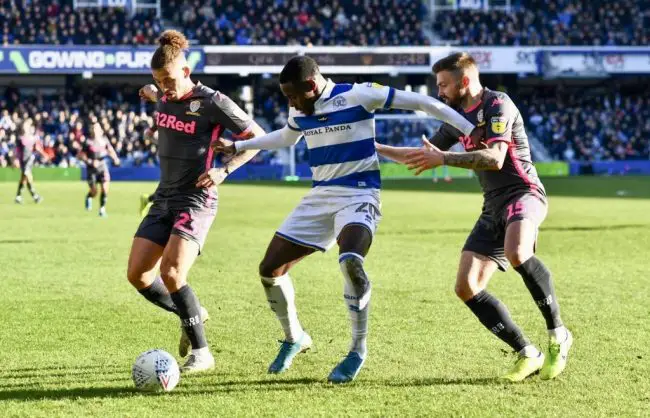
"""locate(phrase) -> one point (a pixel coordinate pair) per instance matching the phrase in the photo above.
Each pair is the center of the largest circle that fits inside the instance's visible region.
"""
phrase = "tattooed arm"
(491, 158)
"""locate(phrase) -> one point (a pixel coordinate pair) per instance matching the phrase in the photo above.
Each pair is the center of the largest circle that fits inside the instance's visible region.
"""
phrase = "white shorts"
(321, 215)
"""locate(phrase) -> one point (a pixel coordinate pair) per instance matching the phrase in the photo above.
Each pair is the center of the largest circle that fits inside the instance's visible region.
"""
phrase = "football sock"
(281, 297)
(540, 285)
(102, 199)
(495, 316)
(20, 188)
(189, 311)
(356, 295)
(157, 294)
(32, 189)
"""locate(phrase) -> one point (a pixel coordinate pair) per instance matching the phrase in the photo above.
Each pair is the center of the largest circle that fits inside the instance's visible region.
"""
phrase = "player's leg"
(355, 226)
(280, 256)
(21, 184)
(92, 190)
(103, 196)
(354, 242)
(482, 255)
(178, 257)
(190, 229)
(144, 261)
(29, 180)
(146, 253)
(524, 217)
(146, 200)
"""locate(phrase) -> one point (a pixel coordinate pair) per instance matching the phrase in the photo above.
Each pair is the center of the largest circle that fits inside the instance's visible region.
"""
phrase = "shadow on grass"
(233, 386)
(16, 241)
(34, 394)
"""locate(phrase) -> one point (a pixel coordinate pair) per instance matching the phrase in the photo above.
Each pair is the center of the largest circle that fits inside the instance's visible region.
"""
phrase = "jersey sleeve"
(373, 96)
(446, 137)
(291, 122)
(226, 113)
(499, 116)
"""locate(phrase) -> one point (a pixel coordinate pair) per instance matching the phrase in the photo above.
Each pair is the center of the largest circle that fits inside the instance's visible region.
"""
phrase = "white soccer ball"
(155, 370)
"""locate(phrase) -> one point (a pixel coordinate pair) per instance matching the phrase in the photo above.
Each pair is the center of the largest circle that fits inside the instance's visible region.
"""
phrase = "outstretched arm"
(397, 154)
(413, 101)
(280, 138)
(216, 176)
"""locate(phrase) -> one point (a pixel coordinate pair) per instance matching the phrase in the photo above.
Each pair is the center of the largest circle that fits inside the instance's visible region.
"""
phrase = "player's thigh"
(520, 241)
(523, 215)
(144, 259)
(177, 259)
(311, 223)
(487, 239)
(193, 223)
(355, 225)
(474, 273)
(281, 255)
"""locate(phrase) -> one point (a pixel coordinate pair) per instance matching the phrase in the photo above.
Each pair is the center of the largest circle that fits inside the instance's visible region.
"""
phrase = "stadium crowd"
(577, 127)
(63, 122)
(219, 22)
(591, 127)
(549, 22)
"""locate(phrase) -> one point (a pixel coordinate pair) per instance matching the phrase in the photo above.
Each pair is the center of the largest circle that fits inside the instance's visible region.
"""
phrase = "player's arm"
(228, 114)
(374, 96)
(41, 151)
(112, 153)
(444, 139)
(498, 135)
(491, 158)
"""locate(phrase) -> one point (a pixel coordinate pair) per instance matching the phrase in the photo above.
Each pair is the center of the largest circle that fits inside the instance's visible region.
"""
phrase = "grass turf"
(72, 325)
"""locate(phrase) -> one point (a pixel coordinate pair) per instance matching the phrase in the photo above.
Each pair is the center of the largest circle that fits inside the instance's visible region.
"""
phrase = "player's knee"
(467, 287)
(270, 269)
(136, 277)
(172, 276)
(352, 269)
(518, 255)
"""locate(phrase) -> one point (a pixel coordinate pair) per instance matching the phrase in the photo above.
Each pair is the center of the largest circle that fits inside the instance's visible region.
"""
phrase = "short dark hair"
(299, 69)
(457, 63)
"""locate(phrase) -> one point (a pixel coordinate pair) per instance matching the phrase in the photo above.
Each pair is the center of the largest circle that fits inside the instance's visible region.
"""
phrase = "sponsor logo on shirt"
(498, 124)
(163, 120)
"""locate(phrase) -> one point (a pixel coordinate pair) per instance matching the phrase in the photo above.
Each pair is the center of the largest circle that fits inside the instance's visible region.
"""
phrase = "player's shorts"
(489, 233)
(27, 165)
(320, 217)
(94, 176)
(186, 214)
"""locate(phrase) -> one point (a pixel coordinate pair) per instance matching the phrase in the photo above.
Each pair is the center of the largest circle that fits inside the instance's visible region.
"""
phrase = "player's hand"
(117, 162)
(225, 147)
(149, 92)
(478, 137)
(212, 177)
(429, 156)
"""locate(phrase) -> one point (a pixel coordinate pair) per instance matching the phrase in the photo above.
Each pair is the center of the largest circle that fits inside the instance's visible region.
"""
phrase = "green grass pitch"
(72, 325)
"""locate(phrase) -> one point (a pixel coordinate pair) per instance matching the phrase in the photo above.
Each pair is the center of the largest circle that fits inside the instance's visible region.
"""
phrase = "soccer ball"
(155, 370)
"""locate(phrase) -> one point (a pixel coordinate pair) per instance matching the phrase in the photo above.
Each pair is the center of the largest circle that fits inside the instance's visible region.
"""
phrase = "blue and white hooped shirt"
(340, 134)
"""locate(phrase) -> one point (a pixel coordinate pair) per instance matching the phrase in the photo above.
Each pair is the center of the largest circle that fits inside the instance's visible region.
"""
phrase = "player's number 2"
(370, 209)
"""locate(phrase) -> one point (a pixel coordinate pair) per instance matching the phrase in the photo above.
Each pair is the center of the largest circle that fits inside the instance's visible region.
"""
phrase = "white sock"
(559, 333)
(358, 308)
(529, 351)
(282, 300)
(200, 352)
